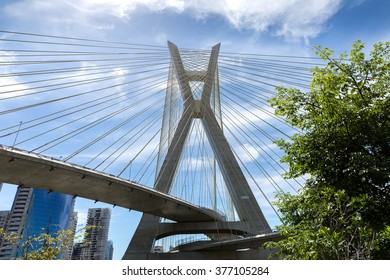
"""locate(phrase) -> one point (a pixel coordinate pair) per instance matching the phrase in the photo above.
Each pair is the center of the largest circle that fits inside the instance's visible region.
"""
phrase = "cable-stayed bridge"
(184, 136)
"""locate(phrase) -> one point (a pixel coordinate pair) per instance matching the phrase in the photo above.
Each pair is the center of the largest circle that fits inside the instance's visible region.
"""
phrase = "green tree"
(323, 223)
(43, 246)
(345, 148)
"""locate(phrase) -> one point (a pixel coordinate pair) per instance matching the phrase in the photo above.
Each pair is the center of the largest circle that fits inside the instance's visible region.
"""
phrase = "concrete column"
(243, 199)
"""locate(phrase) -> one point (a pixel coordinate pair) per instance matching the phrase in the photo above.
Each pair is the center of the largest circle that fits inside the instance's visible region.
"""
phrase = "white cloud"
(247, 117)
(82, 215)
(290, 18)
(355, 3)
(247, 153)
(10, 86)
(287, 18)
(161, 38)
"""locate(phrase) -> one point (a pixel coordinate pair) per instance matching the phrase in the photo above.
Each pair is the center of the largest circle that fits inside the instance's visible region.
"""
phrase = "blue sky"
(282, 27)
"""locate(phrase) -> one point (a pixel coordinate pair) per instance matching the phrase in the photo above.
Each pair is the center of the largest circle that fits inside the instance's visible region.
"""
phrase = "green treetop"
(344, 147)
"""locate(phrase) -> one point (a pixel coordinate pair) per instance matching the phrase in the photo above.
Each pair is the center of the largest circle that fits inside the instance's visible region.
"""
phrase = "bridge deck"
(251, 242)
(34, 170)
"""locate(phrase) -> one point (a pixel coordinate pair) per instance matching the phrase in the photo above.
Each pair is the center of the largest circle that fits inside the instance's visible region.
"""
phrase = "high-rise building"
(72, 227)
(4, 218)
(34, 212)
(98, 225)
(79, 252)
(49, 211)
(16, 221)
(4, 215)
(94, 244)
(109, 250)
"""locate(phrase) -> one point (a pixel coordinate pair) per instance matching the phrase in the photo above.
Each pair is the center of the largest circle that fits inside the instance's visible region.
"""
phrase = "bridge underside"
(23, 168)
(216, 228)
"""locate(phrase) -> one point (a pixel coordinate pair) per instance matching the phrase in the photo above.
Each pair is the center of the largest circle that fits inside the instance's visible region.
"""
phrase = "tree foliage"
(345, 147)
(44, 246)
(324, 223)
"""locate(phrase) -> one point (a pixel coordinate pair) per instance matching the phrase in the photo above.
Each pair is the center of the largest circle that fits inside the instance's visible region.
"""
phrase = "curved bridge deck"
(252, 242)
(34, 170)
